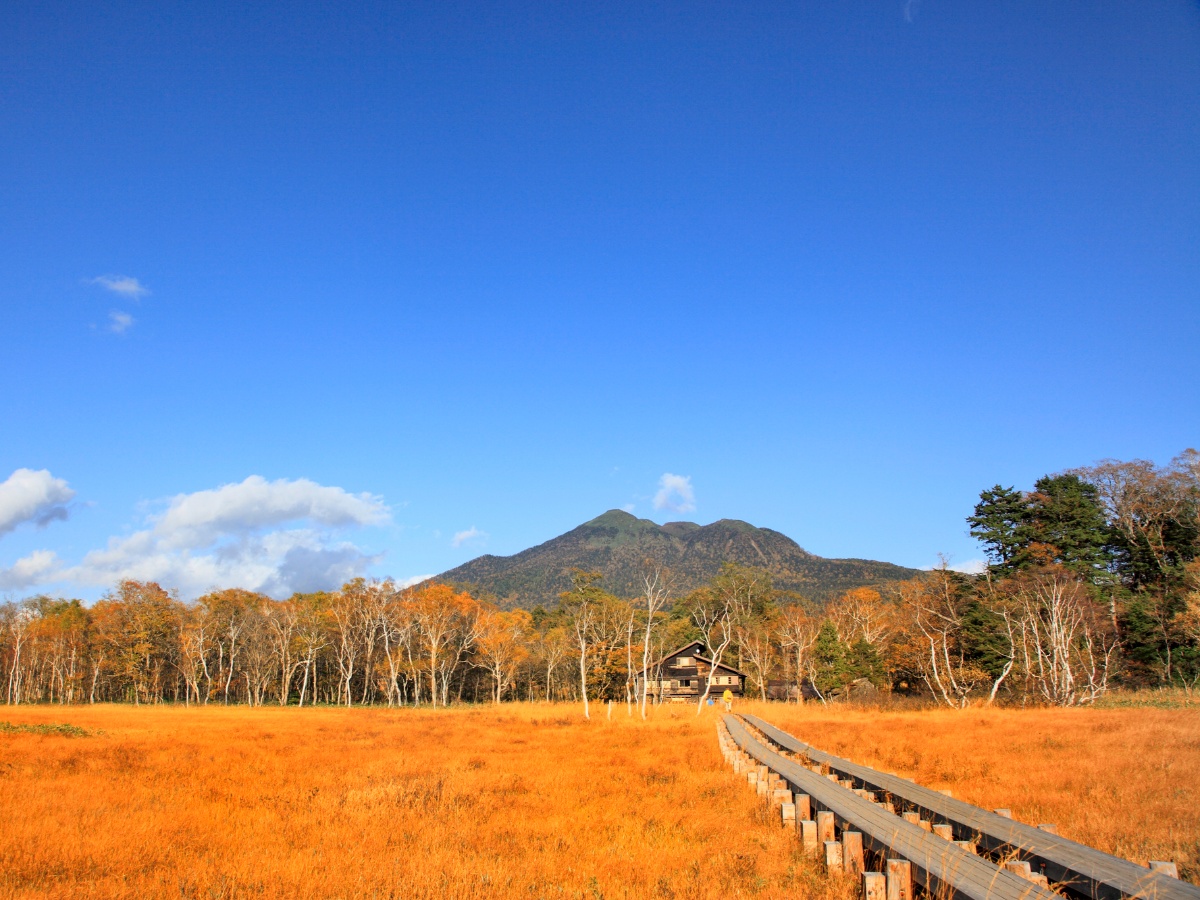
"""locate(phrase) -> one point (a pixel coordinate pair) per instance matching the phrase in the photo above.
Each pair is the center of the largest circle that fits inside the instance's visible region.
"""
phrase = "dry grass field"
(527, 801)
(1126, 781)
(524, 801)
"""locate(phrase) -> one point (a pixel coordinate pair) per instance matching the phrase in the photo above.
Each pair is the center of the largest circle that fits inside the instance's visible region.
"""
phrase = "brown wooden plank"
(1083, 870)
(942, 867)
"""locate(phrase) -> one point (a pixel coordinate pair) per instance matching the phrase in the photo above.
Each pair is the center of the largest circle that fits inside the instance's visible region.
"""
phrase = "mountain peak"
(615, 518)
(617, 544)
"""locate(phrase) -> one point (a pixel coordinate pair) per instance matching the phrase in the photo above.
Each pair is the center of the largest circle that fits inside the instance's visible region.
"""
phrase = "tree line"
(1093, 580)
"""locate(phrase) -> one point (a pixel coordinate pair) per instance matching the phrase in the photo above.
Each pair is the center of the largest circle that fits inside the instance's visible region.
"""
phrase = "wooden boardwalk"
(940, 865)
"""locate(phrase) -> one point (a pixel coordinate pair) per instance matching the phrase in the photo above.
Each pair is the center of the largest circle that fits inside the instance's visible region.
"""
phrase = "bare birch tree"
(582, 602)
(718, 612)
(1065, 644)
(797, 632)
(656, 590)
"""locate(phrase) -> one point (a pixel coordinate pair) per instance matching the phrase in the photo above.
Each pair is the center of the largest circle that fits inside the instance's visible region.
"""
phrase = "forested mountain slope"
(616, 544)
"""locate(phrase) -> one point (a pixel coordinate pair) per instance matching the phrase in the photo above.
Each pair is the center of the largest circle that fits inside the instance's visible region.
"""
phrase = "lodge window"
(684, 661)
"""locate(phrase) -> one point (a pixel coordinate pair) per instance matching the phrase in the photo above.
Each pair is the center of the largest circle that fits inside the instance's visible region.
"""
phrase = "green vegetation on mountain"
(617, 544)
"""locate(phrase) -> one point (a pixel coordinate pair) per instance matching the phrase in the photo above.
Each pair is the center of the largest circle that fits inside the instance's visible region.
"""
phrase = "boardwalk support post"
(824, 826)
(803, 806)
(833, 856)
(852, 852)
(808, 836)
(899, 879)
(874, 886)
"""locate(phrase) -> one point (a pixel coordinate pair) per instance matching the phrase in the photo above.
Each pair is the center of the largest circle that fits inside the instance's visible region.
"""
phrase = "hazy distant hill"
(616, 543)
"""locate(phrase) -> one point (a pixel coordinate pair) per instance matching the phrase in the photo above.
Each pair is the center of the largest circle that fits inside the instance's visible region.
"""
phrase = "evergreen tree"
(1061, 521)
(864, 661)
(1065, 524)
(983, 641)
(830, 671)
(1000, 516)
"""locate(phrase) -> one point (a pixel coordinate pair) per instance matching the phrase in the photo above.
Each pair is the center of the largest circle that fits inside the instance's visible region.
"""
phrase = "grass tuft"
(62, 730)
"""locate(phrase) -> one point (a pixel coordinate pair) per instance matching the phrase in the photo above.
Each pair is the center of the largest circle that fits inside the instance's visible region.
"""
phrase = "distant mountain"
(616, 543)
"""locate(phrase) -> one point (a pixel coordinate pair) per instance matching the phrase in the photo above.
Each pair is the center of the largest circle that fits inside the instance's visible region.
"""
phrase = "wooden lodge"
(680, 675)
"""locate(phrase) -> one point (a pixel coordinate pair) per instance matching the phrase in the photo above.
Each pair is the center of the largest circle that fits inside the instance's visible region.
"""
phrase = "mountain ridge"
(616, 543)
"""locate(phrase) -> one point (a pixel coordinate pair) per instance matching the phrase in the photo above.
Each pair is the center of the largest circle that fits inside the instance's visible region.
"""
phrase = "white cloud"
(38, 566)
(119, 322)
(196, 520)
(124, 285)
(227, 537)
(675, 494)
(970, 567)
(471, 534)
(628, 507)
(277, 563)
(411, 582)
(32, 496)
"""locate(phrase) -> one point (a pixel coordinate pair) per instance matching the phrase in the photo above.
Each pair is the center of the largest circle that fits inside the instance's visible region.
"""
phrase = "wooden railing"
(894, 833)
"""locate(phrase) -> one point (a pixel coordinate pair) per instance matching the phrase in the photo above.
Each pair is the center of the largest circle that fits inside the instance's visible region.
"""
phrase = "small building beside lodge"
(680, 676)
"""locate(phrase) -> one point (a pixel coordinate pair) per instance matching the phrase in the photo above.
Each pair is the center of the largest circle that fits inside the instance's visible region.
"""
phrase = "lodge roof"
(700, 646)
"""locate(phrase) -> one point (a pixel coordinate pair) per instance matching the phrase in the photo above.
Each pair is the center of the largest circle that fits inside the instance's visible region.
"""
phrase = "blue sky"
(296, 291)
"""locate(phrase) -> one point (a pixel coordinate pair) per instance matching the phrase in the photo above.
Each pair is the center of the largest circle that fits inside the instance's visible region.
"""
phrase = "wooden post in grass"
(833, 856)
(852, 853)
(914, 817)
(944, 831)
(899, 879)
(803, 807)
(969, 846)
(1164, 867)
(1003, 811)
(824, 826)
(781, 797)
(874, 886)
(1048, 828)
(926, 824)
(808, 835)
(1019, 867)
(787, 813)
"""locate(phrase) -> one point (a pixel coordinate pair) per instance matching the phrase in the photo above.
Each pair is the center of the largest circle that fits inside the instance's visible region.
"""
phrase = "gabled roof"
(675, 652)
(723, 666)
(688, 646)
